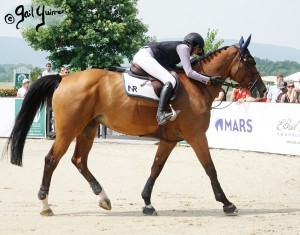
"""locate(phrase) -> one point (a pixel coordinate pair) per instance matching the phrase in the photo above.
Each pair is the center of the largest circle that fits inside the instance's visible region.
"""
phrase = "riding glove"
(215, 81)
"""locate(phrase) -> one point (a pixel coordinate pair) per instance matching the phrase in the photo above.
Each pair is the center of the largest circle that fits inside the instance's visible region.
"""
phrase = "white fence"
(262, 127)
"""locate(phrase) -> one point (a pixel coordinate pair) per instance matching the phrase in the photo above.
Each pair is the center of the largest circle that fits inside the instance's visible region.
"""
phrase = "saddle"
(138, 72)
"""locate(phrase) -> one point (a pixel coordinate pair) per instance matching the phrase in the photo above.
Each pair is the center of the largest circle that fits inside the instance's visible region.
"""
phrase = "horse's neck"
(217, 64)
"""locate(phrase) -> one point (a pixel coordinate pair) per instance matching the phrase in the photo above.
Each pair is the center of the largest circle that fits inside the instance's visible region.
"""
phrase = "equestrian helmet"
(195, 40)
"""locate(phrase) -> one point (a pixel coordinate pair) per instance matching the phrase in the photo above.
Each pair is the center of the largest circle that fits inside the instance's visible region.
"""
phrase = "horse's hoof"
(47, 212)
(105, 204)
(149, 211)
(230, 210)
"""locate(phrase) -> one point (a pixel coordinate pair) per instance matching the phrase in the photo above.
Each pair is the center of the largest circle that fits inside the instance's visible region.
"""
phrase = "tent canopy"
(269, 78)
(294, 77)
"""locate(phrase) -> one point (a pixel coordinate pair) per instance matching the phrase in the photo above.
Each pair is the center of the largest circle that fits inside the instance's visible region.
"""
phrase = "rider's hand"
(215, 81)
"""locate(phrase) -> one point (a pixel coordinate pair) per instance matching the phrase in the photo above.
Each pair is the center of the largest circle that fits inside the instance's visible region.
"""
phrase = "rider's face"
(197, 51)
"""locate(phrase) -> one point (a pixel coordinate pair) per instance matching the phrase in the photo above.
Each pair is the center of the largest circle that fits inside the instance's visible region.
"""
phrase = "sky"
(273, 22)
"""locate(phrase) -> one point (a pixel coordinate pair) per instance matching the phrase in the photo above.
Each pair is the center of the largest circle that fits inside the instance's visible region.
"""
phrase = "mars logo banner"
(234, 125)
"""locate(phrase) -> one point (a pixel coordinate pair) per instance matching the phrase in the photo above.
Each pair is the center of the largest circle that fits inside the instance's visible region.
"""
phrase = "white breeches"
(147, 62)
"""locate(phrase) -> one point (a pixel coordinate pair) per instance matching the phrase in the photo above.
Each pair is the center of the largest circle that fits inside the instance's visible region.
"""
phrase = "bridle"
(242, 59)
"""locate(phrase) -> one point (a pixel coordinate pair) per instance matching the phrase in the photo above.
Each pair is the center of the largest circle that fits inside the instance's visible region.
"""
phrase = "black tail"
(38, 92)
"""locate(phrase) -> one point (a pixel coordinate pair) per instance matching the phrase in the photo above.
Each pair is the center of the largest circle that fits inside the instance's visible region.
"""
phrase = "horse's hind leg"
(162, 154)
(52, 159)
(201, 149)
(84, 143)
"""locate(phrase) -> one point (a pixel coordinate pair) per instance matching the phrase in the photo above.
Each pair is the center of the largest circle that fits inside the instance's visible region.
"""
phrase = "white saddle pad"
(139, 87)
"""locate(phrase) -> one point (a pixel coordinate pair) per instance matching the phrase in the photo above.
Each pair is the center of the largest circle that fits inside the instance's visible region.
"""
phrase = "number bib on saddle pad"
(139, 87)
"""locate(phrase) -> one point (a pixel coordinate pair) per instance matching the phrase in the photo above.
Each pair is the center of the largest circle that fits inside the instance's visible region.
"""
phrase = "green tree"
(35, 73)
(210, 44)
(93, 32)
(268, 68)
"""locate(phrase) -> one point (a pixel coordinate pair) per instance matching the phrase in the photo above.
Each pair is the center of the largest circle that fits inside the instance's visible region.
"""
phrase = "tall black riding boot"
(162, 115)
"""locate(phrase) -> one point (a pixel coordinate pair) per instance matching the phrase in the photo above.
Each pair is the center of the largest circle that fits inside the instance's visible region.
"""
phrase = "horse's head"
(243, 69)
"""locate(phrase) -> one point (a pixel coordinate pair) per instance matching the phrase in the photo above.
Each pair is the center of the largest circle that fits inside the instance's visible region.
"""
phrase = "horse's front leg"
(162, 154)
(200, 146)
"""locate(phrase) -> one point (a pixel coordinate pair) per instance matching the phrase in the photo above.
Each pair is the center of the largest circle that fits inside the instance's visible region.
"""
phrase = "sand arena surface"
(264, 187)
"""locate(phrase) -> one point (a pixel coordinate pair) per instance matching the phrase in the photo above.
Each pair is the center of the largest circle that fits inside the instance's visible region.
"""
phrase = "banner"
(262, 127)
(7, 116)
(38, 127)
(19, 78)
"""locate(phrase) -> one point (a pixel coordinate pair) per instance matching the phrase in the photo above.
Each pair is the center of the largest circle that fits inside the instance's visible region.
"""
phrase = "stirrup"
(166, 116)
(174, 113)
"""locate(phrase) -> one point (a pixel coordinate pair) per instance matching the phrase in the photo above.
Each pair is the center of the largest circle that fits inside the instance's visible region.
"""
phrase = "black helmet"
(195, 40)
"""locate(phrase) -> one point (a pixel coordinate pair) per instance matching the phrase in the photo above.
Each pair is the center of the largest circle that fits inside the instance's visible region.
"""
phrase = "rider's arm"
(184, 54)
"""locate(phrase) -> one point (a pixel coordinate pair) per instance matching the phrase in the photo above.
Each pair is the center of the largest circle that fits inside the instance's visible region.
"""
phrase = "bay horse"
(83, 100)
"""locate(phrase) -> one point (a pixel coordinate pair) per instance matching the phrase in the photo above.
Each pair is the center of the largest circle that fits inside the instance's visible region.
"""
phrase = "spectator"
(64, 71)
(290, 96)
(274, 90)
(47, 71)
(297, 95)
(22, 90)
(221, 96)
(297, 90)
(263, 99)
(240, 94)
(282, 87)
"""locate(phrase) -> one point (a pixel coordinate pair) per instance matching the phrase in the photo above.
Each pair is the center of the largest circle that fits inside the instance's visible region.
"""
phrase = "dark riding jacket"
(165, 52)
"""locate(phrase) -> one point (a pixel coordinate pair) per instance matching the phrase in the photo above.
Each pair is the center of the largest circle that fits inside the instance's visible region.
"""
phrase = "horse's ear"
(246, 43)
(241, 41)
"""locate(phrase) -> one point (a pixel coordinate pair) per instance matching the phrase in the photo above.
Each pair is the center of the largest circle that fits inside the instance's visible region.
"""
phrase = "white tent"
(269, 78)
(294, 77)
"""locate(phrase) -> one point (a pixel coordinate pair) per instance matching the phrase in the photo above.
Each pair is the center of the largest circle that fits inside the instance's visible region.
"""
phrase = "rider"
(156, 57)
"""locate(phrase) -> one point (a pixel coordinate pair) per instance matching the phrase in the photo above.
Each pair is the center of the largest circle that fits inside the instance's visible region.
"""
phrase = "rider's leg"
(144, 58)
(162, 116)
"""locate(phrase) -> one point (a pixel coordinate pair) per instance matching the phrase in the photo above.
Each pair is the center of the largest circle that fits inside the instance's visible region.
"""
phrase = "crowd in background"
(281, 92)
(64, 71)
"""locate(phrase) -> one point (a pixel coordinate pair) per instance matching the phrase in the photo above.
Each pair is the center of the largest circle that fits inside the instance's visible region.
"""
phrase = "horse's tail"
(38, 92)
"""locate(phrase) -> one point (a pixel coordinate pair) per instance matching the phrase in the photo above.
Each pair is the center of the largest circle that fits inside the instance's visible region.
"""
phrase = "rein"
(242, 57)
(228, 85)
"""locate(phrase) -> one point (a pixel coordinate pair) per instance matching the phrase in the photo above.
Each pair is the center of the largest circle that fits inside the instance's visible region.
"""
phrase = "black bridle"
(243, 55)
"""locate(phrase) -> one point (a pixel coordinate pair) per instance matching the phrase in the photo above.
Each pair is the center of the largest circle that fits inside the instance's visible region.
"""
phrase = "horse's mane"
(194, 61)
(215, 52)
